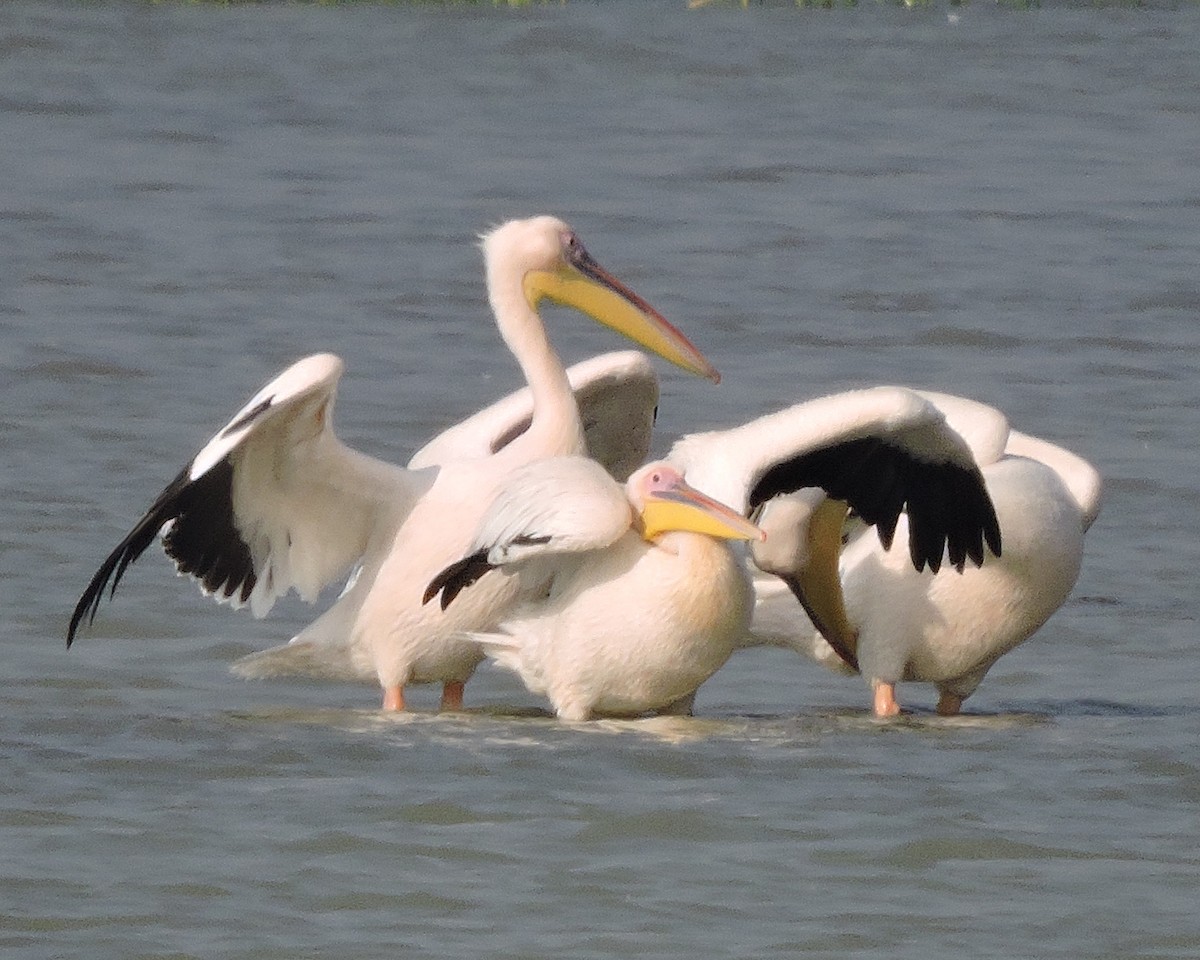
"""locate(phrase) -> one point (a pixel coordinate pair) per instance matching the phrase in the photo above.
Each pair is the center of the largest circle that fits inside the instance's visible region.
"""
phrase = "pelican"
(617, 397)
(618, 612)
(878, 616)
(275, 502)
(639, 600)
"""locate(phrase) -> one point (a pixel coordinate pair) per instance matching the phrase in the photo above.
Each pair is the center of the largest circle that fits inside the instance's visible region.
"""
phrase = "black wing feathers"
(457, 577)
(949, 510)
(202, 539)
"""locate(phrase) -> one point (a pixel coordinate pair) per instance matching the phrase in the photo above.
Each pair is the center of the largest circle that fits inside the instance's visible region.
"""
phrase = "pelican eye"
(573, 249)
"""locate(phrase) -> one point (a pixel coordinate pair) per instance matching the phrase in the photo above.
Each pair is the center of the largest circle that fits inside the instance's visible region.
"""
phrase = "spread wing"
(984, 428)
(273, 502)
(884, 450)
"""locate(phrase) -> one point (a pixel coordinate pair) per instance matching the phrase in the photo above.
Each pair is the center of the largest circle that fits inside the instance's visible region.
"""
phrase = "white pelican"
(275, 501)
(638, 598)
(614, 617)
(890, 622)
(617, 396)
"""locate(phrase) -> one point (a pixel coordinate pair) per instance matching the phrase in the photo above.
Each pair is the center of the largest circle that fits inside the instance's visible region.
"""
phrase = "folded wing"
(562, 505)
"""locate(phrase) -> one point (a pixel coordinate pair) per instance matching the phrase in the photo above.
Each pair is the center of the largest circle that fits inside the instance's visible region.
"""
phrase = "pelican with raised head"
(275, 502)
(617, 612)
(872, 613)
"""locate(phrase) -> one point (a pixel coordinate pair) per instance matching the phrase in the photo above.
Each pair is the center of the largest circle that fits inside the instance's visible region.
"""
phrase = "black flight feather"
(949, 510)
(202, 538)
(457, 577)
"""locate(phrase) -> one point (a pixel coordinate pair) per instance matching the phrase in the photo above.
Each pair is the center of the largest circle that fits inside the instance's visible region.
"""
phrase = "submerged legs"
(885, 699)
(452, 695)
(393, 697)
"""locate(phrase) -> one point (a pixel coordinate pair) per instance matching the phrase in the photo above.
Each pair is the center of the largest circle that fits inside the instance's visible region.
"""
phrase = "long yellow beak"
(683, 507)
(583, 284)
(820, 583)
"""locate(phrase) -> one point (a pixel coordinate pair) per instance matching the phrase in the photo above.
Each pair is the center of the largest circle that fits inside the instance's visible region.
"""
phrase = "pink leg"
(393, 697)
(885, 700)
(452, 695)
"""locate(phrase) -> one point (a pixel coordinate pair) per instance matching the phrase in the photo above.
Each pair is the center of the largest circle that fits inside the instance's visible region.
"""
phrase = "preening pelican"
(635, 599)
(877, 615)
(274, 501)
(630, 626)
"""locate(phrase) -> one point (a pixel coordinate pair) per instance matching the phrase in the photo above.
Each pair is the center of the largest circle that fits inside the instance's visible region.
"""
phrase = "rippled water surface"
(988, 201)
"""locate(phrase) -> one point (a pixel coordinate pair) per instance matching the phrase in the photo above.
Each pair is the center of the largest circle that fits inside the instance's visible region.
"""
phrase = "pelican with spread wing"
(276, 502)
(872, 612)
(619, 612)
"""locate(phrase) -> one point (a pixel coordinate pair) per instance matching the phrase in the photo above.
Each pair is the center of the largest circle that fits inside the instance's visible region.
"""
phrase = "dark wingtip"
(449, 592)
(113, 568)
(984, 530)
(86, 607)
(463, 574)
(73, 626)
(77, 615)
(436, 585)
(950, 514)
(128, 550)
(456, 578)
(206, 545)
(993, 537)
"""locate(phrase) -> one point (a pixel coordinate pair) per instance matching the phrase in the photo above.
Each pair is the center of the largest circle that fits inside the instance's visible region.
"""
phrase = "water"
(988, 201)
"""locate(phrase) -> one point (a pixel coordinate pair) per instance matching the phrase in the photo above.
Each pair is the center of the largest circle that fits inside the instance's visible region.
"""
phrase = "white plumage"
(631, 597)
(880, 616)
(624, 614)
(276, 502)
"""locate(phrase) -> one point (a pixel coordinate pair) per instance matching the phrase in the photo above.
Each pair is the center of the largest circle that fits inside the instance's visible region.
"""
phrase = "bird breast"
(687, 602)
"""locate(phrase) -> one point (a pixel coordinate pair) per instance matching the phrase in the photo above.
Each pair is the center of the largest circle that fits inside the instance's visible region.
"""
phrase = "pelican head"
(664, 501)
(551, 262)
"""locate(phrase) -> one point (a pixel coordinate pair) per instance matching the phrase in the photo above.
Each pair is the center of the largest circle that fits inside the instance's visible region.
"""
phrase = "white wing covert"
(984, 428)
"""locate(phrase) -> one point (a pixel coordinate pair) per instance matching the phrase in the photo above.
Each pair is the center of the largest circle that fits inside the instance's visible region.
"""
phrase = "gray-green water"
(995, 202)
